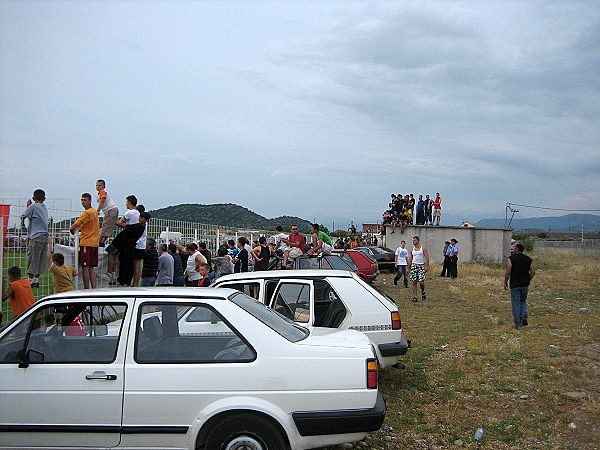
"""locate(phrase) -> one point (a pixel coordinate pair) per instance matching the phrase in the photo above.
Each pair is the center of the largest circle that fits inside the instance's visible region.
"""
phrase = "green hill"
(227, 214)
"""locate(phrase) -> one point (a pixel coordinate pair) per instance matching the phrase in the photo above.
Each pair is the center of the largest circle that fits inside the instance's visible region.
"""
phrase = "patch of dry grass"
(469, 368)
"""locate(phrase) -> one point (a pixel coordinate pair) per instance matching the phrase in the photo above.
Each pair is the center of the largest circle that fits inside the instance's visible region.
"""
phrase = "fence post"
(218, 240)
(76, 258)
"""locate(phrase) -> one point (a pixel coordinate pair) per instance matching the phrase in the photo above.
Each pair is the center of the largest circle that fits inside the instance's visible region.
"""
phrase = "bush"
(527, 241)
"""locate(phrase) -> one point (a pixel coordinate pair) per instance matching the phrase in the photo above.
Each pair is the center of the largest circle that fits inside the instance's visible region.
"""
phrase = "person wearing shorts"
(418, 265)
(37, 237)
(108, 207)
(295, 245)
(322, 244)
(437, 209)
(88, 225)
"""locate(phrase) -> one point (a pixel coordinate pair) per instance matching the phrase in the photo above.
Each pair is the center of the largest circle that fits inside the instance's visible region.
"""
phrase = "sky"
(315, 109)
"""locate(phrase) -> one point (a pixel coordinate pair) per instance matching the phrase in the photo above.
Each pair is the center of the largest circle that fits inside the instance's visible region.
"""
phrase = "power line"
(554, 209)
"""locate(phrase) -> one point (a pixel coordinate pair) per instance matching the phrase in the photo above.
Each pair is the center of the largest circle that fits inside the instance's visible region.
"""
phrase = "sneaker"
(113, 283)
(524, 322)
(406, 286)
(35, 284)
(415, 300)
(395, 282)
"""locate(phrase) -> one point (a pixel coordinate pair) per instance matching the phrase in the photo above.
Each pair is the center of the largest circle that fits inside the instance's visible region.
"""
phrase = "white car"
(180, 368)
(328, 298)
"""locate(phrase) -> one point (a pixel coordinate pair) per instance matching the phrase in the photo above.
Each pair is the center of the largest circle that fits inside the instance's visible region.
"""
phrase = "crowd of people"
(141, 261)
(135, 259)
(406, 210)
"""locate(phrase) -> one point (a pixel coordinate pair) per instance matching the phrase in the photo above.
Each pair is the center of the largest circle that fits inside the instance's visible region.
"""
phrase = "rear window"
(281, 325)
(338, 263)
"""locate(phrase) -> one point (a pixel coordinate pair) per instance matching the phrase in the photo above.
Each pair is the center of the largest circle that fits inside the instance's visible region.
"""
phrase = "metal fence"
(590, 247)
(13, 235)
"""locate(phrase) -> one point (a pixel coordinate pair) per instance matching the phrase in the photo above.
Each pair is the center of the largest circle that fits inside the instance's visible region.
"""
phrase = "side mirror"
(29, 356)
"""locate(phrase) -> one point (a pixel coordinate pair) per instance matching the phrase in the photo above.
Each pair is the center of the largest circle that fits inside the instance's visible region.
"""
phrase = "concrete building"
(489, 245)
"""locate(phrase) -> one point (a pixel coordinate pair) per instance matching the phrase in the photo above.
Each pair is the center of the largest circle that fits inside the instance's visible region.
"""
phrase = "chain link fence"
(589, 247)
(13, 235)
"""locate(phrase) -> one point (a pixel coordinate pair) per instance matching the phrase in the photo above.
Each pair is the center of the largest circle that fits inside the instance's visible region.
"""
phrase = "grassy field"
(537, 387)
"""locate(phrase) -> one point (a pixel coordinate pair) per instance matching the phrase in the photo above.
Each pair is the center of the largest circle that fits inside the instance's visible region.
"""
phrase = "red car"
(367, 267)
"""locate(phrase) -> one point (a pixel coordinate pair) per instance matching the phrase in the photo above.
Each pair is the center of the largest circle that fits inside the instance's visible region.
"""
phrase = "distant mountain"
(227, 214)
(566, 223)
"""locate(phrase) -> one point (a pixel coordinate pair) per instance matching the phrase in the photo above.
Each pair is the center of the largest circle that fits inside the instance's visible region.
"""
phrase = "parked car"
(181, 369)
(335, 261)
(331, 299)
(367, 267)
(384, 256)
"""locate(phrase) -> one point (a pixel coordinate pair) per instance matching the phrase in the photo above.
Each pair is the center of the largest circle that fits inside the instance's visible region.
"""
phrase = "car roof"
(297, 273)
(156, 292)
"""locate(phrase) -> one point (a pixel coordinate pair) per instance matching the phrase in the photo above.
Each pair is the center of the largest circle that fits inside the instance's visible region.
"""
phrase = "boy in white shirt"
(400, 260)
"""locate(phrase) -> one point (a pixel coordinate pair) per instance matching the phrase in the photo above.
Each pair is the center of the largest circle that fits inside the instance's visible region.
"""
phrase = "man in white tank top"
(418, 265)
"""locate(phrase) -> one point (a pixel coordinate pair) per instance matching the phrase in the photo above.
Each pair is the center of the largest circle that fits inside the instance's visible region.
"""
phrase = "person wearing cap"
(454, 258)
(150, 263)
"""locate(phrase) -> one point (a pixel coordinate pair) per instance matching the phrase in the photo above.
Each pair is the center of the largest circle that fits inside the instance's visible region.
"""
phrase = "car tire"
(245, 431)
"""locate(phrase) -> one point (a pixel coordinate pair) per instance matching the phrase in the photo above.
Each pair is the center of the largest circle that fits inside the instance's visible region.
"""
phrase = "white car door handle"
(100, 376)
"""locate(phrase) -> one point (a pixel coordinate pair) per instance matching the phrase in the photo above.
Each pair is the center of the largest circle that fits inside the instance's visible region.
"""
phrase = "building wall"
(489, 245)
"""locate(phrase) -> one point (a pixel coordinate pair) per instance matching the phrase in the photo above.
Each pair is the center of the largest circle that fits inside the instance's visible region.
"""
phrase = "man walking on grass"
(520, 270)
(418, 265)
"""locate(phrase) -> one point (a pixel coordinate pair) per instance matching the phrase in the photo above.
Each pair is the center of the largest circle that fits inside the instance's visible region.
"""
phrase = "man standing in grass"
(520, 270)
(418, 265)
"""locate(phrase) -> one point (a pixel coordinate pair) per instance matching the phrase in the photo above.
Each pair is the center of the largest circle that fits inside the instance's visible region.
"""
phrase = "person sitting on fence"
(62, 274)
(110, 210)
(123, 247)
(130, 217)
(19, 291)
(37, 236)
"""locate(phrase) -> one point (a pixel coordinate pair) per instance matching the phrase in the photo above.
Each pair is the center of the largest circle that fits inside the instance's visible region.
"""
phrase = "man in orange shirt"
(89, 228)
(19, 291)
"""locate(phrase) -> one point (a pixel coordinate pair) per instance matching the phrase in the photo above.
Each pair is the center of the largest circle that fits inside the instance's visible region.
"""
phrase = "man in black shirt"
(519, 270)
(150, 263)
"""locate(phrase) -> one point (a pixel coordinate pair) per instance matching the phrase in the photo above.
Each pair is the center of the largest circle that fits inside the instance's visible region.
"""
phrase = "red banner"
(5, 214)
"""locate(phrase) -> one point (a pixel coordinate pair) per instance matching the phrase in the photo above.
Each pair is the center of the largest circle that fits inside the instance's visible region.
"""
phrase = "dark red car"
(367, 267)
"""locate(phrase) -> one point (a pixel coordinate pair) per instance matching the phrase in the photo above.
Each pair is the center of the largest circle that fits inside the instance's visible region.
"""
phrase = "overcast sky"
(312, 109)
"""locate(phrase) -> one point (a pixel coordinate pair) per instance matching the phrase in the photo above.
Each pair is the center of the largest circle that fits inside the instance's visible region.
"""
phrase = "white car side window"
(172, 333)
(67, 333)
(292, 300)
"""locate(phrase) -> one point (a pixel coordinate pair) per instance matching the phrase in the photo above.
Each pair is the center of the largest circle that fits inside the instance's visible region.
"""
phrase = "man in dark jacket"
(123, 245)
(519, 270)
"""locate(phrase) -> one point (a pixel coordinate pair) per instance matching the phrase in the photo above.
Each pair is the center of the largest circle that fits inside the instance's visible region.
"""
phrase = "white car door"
(294, 299)
(178, 367)
(61, 375)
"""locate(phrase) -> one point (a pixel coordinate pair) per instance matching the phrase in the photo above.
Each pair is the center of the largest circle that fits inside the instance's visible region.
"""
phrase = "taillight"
(371, 373)
(396, 322)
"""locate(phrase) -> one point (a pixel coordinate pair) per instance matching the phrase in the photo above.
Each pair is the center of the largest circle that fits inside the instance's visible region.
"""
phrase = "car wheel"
(245, 432)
